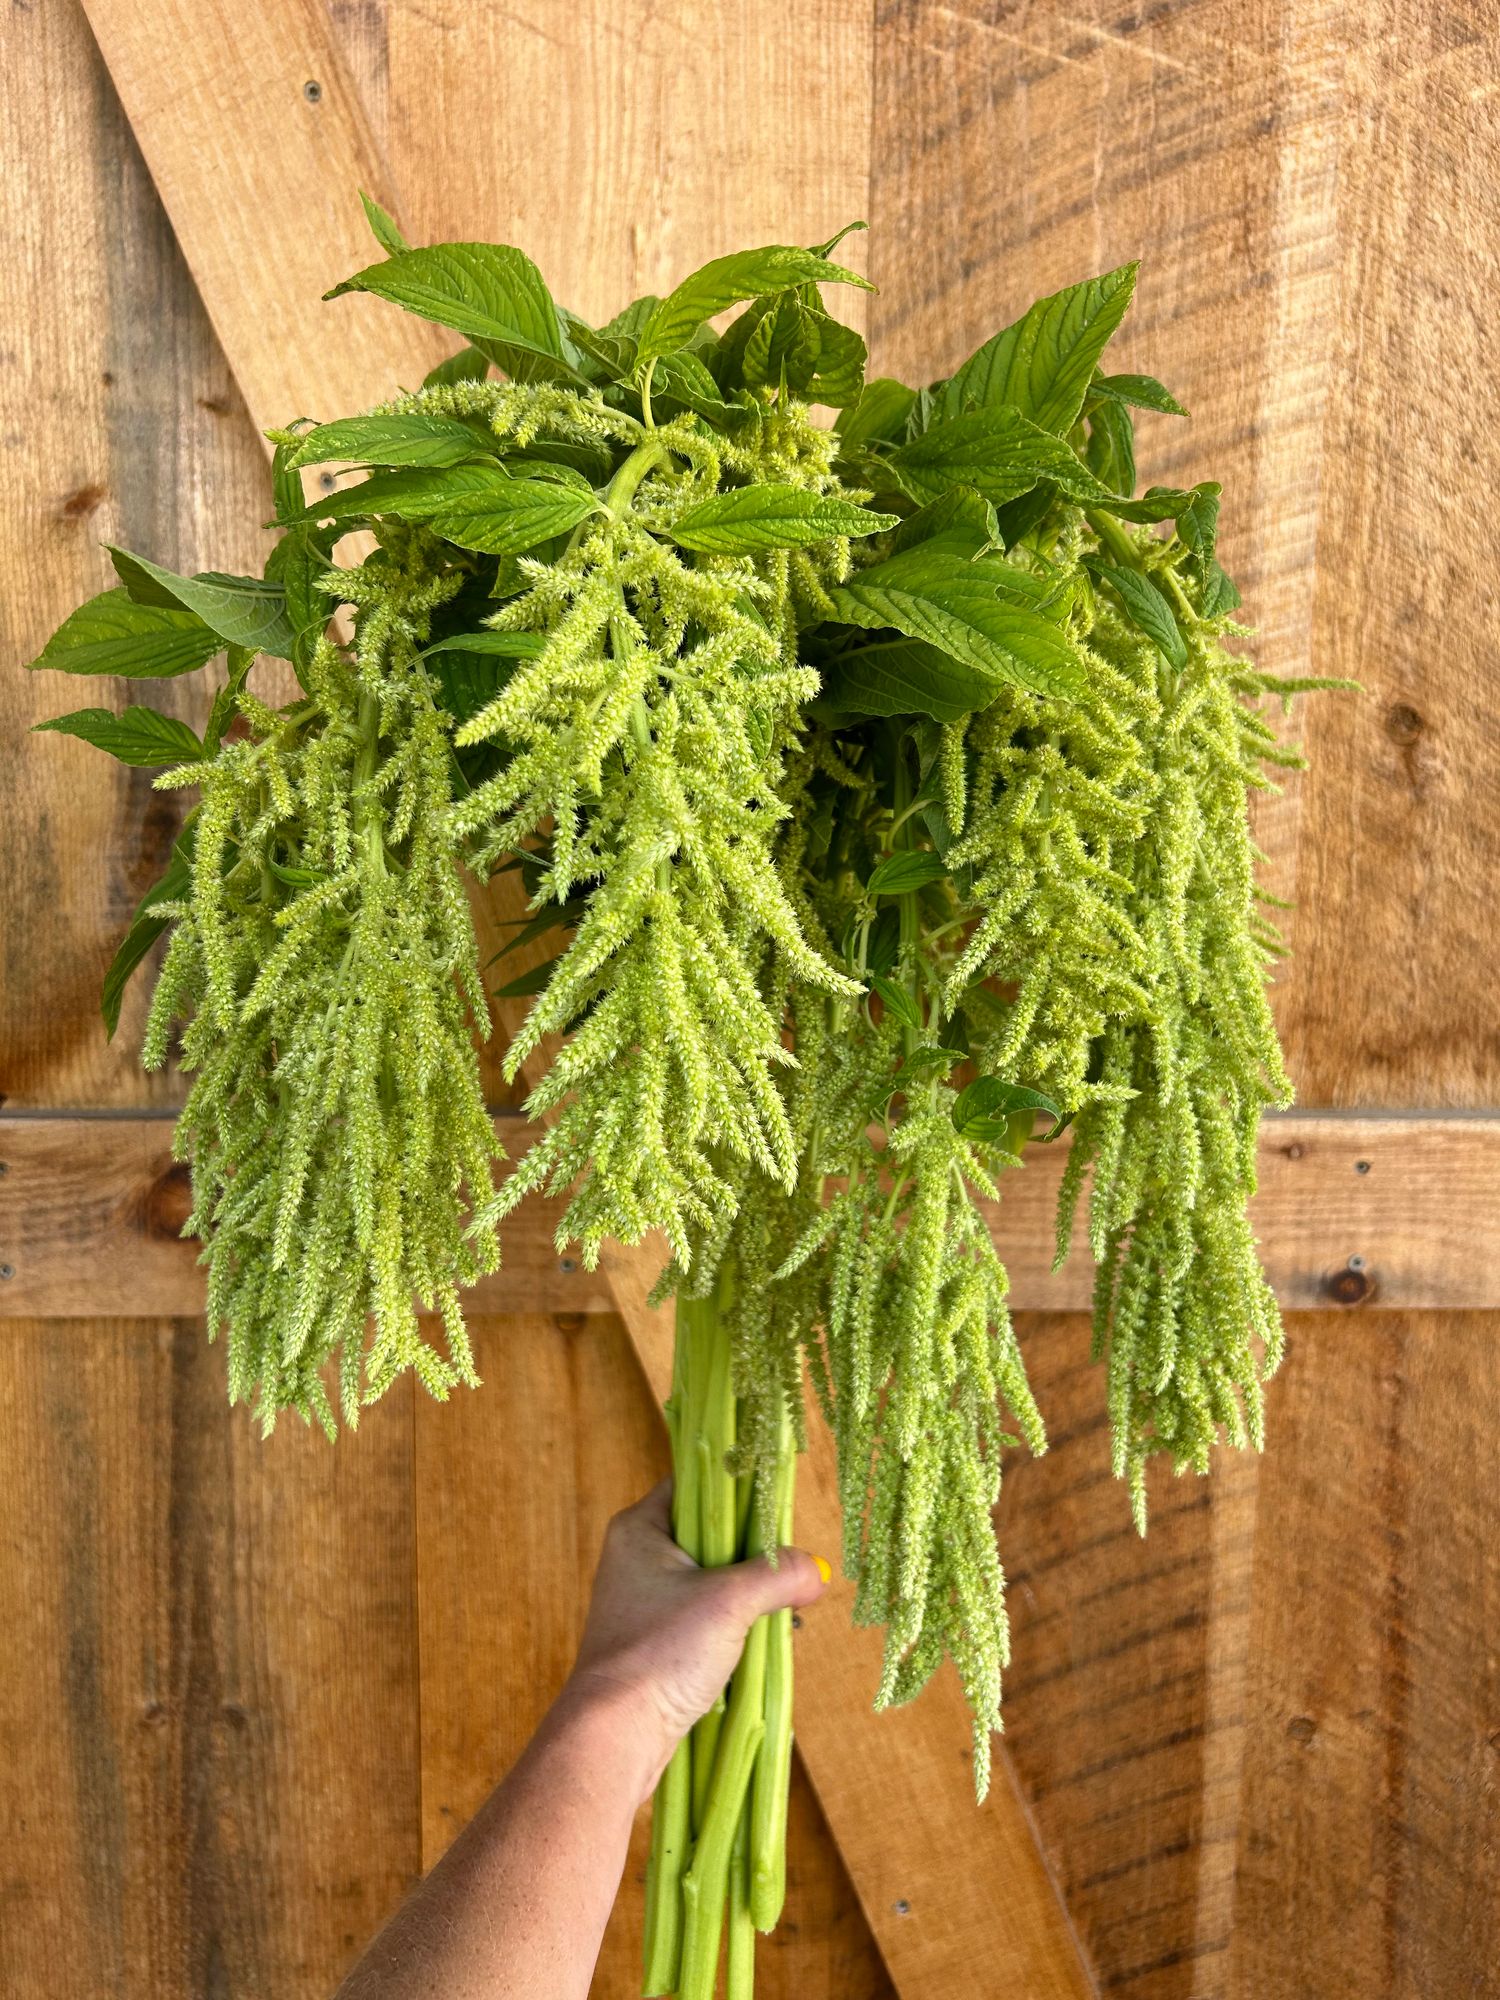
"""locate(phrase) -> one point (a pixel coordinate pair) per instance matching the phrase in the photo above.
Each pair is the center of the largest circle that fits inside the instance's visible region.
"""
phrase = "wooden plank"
(1369, 1815)
(122, 424)
(1375, 1212)
(91, 1212)
(564, 1435)
(1315, 205)
(192, 1617)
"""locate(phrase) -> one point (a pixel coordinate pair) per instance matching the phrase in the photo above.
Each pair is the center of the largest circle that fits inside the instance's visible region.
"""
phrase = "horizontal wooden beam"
(1353, 1210)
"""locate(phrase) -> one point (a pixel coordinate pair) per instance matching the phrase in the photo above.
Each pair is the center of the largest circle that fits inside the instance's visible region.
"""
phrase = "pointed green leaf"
(683, 378)
(1145, 605)
(1111, 447)
(961, 522)
(984, 1109)
(145, 929)
(1143, 392)
(492, 294)
(113, 634)
(880, 414)
(478, 506)
(999, 453)
(903, 677)
(140, 736)
(1042, 364)
(243, 610)
(743, 275)
(468, 365)
(299, 561)
(408, 438)
(983, 613)
(771, 517)
(896, 1000)
(899, 874)
(522, 987)
(383, 226)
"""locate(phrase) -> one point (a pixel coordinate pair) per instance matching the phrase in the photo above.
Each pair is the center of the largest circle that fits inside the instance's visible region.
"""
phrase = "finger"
(754, 1588)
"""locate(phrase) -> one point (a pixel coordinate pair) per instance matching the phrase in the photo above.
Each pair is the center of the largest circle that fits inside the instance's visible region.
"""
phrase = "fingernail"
(823, 1570)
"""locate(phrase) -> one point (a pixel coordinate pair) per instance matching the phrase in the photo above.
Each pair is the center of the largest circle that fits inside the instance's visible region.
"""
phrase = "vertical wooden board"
(1390, 999)
(208, 1723)
(1370, 1815)
(515, 1486)
(621, 145)
(1107, 1700)
(1315, 205)
(123, 424)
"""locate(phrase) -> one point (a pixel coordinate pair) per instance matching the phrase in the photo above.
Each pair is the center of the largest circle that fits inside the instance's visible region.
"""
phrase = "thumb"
(751, 1589)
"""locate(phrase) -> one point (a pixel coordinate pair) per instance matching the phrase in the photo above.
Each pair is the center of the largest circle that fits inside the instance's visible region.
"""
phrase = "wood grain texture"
(1370, 1212)
(123, 424)
(1314, 192)
(674, 132)
(1260, 1745)
(208, 1718)
(515, 1489)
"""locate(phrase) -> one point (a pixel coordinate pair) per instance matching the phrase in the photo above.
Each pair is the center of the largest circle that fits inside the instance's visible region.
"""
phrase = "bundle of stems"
(880, 791)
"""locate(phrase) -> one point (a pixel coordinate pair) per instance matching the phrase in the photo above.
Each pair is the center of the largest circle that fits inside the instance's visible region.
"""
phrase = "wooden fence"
(251, 1689)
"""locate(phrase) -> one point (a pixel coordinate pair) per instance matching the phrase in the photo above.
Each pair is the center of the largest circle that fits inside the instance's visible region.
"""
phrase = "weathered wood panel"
(208, 1718)
(1370, 1212)
(1259, 1744)
(515, 1487)
(123, 424)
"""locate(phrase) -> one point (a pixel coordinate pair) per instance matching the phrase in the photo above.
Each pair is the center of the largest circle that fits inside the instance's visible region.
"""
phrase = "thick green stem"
(705, 1887)
(739, 1972)
(773, 1765)
(671, 1843)
(699, 1321)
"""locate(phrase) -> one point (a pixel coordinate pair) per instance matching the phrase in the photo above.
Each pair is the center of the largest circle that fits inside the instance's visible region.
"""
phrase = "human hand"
(663, 1636)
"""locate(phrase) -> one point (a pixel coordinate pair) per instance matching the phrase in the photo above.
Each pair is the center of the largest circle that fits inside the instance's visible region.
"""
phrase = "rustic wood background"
(251, 1689)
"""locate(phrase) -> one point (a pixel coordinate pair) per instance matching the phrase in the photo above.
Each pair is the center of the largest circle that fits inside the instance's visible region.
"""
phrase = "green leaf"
(145, 929)
(383, 226)
(983, 1110)
(468, 365)
(880, 414)
(1111, 447)
(898, 1002)
(522, 987)
(514, 516)
(838, 379)
(113, 634)
(408, 438)
(745, 274)
(999, 453)
(683, 378)
(1042, 365)
(899, 874)
(771, 517)
(303, 556)
(503, 645)
(492, 294)
(1146, 606)
(962, 522)
(783, 346)
(243, 610)
(1217, 591)
(976, 611)
(222, 711)
(903, 677)
(551, 917)
(1143, 392)
(827, 249)
(477, 506)
(140, 736)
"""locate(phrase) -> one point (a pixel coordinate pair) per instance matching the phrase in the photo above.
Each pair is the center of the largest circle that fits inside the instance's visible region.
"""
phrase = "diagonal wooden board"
(258, 174)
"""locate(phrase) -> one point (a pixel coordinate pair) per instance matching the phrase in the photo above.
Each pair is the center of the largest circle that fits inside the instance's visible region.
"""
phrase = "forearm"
(516, 1908)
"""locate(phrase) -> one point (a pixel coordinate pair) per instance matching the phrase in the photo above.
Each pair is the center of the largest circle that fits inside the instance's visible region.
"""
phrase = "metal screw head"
(1356, 1263)
(7, 1270)
(312, 90)
(1361, 1166)
(567, 1264)
(901, 1907)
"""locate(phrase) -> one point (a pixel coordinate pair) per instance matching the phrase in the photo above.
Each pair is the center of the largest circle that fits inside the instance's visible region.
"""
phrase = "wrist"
(617, 1726)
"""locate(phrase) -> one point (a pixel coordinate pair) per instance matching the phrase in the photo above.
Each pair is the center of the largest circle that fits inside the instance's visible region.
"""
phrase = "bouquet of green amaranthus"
(883, 789)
